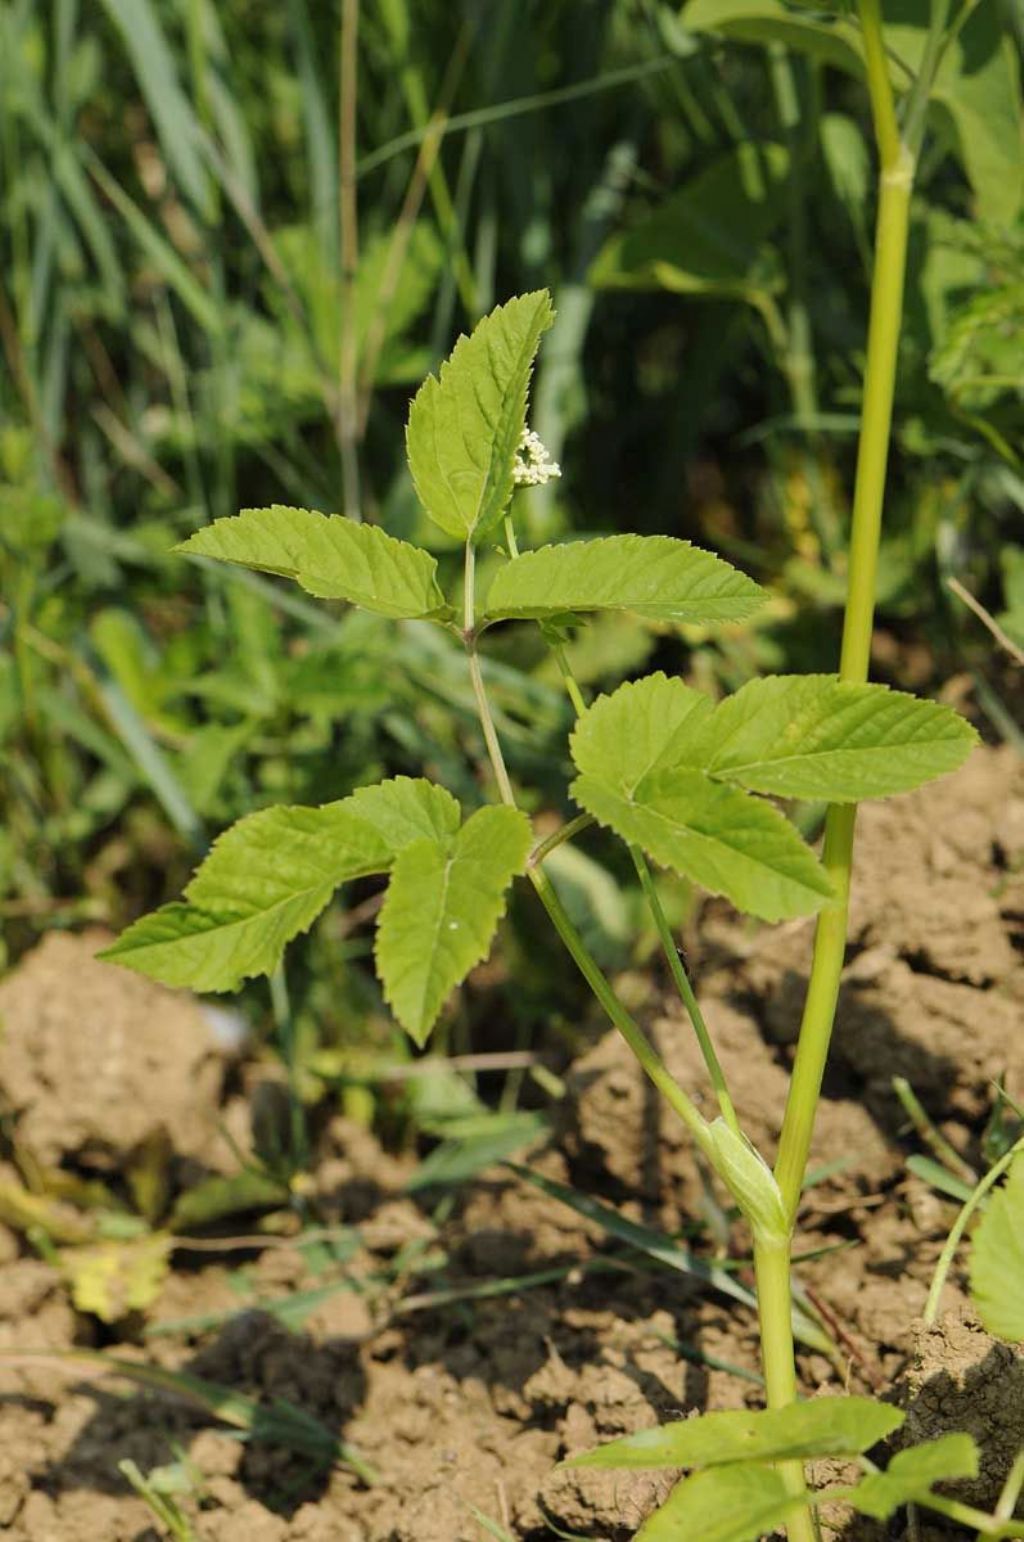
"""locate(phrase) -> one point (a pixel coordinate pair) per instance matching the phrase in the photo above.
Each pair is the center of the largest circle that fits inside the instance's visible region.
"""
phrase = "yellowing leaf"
(115, 1278)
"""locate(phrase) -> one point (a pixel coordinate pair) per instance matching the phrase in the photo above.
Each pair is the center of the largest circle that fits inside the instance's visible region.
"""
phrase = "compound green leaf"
(912, 1474)
(443, 905)
(329, 556)
(725, 840)
(654, 576)
(641, 728)
(828, 1426)
(709, 237)
(997, 1259)
(814, 736)
(264, 881)
(741, 1503)
(465, 425)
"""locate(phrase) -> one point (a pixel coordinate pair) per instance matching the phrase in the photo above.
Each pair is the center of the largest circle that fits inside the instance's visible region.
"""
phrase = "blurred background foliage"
(695, 186)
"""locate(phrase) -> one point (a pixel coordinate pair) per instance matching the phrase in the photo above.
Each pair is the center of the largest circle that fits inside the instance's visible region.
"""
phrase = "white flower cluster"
(533, 466)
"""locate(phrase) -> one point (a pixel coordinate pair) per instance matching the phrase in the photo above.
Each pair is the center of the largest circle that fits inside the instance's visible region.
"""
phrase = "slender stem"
(942, 1268)
(967, 1515)
(491, 740)
(685, 989)
(930, 1133)
(575, 695)
(675, 963)
(510, 537)
(469, 591)
(775, 1313)
(644, 1051)
(483, 706)
(896, 181)
(559, 837)
(1011, 1489)
(284, 1022)
(934, 48)
(348, 401)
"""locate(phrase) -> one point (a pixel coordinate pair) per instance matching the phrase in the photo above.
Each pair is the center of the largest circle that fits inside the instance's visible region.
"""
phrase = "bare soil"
(464, 1407)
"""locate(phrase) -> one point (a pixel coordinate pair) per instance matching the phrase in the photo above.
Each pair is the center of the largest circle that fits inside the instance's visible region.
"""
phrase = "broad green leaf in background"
(212, 1199)
(314, 273)
(978, 359)
(976, 104)
(1011, 619)
(997, 1259)
(709, 237)
(654, 576)
(912, 1474)
(329, 556)
(441, 910)
(725, 840)
(265, 880)
(835, 41)
(643, 727)
(814, 736)
(206, 759)
(740, 1503)
(465, 425)
(848, 161)
(976, 98)
(29, 520)
(827, 1426)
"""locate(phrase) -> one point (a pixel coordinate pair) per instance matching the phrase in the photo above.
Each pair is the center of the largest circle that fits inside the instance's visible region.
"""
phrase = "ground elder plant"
(692, 786)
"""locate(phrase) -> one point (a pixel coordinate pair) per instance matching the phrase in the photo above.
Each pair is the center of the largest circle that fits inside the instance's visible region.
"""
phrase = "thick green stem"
(775, 1312)
(895, 183)
(348, 414)
(883, 339)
